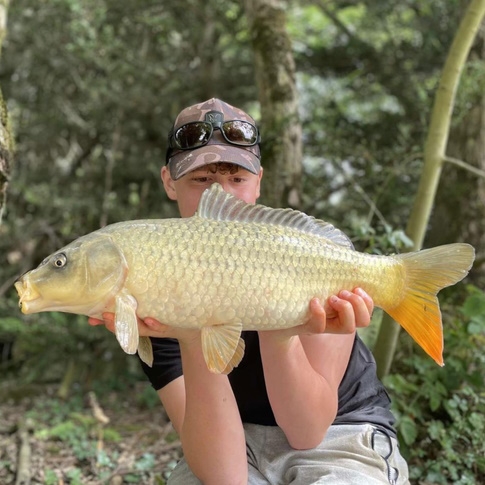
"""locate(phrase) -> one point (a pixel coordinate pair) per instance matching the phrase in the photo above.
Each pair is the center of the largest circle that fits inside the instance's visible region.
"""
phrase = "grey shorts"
(349, 454)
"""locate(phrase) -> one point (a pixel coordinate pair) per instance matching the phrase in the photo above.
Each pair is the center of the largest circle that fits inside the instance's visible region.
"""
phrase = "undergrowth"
(95, 447)
(441, 410)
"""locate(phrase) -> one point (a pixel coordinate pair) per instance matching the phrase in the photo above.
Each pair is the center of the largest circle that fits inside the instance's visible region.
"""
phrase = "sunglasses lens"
(192, 135)
(197, 134)
(240, 132)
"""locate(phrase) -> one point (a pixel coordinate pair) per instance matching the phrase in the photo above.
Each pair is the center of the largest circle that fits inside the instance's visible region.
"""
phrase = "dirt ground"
(114, 439)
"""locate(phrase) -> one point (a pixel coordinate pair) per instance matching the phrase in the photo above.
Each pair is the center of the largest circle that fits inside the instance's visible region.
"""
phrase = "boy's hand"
(343, 313)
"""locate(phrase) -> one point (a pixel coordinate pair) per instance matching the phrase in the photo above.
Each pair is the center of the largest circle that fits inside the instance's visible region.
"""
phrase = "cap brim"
(184, 162)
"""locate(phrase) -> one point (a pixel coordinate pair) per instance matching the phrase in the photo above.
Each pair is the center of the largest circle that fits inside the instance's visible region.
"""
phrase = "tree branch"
(324, 6)
(466, 166)
(25, 454)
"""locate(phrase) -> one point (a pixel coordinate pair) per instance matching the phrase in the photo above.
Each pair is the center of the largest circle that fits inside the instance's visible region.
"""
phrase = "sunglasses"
(198, 133)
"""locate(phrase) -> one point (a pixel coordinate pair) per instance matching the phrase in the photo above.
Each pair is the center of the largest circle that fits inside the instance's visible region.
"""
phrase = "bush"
(55, 347)
(441, 411)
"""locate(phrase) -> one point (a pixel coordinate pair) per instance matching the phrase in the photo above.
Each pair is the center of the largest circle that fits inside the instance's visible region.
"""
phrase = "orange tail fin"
(427, 272)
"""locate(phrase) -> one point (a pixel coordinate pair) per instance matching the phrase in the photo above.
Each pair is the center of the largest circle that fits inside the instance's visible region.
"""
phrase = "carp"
(235, 266)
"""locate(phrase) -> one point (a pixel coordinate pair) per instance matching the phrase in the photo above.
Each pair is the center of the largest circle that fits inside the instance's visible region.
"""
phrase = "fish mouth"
(31, 300)
(28, 296)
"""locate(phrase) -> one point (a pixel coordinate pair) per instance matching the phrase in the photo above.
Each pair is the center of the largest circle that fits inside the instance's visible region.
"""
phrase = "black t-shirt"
(362, 397)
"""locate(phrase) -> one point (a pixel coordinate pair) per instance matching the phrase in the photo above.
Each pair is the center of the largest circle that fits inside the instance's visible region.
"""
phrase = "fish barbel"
(231, 267)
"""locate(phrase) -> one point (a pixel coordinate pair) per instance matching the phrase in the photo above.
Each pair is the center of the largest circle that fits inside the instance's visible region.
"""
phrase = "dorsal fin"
(217, 204)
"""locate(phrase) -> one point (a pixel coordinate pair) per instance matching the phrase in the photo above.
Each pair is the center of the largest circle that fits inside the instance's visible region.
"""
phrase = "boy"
(304, 405)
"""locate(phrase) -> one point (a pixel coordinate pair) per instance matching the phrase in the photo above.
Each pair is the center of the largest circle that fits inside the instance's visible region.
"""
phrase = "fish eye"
(60, 260)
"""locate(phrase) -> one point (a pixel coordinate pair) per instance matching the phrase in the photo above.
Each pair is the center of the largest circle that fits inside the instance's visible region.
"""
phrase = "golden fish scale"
(199, 272)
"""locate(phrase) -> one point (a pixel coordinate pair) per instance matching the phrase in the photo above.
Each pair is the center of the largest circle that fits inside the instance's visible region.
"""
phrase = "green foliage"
(367, 75)
(10, 327)
(56, 422)
(388, 241)
(44, 343)
(472, 86)
(74, 476)
(50, 477)
(148, 398)
(65, 425)
(441, 411)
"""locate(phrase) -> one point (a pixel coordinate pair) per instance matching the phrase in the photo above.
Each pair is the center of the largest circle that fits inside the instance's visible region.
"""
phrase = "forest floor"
(113, 437)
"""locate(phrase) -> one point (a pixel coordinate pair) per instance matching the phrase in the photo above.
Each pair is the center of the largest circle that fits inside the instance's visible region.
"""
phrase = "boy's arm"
(203, 410)
(303, 372)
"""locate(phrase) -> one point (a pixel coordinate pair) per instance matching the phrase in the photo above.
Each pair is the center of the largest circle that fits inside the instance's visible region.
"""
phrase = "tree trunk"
(434, 156)
(280, 123)
(459, 213)
(6, 141)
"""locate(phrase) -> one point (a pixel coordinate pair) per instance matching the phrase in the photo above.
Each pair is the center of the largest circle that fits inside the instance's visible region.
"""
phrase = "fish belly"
(199, 273)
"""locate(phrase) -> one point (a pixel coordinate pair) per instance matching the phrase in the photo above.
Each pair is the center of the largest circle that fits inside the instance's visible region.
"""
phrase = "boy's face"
(188, 189)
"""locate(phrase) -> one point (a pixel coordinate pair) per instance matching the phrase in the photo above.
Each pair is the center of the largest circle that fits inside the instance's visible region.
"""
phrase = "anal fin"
(223, 347)
(236, 358)
(145, 350)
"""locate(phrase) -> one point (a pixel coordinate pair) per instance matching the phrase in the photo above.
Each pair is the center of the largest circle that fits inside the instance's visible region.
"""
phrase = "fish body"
(232, 267)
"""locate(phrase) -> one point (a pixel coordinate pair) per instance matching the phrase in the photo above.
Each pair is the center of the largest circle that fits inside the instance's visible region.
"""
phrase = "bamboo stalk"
(434, 157)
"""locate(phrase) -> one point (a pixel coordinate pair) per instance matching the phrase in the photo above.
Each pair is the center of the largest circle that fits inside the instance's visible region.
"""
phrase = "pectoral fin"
(145, 350)
(126, 324)
(223, 347)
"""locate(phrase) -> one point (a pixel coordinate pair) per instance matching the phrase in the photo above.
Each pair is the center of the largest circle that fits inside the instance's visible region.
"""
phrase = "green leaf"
(131, 478)
(435, 430)
(476, 328)
(474, 305)
(50, 477)
(408, 430)
(434, 401)
(75, 476)
(146, 462)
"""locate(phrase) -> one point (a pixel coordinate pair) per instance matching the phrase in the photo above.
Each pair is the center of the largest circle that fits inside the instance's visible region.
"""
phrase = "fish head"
(80, 278)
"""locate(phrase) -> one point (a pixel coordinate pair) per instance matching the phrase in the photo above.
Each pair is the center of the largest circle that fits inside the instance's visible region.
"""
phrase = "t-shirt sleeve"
(167, 363)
